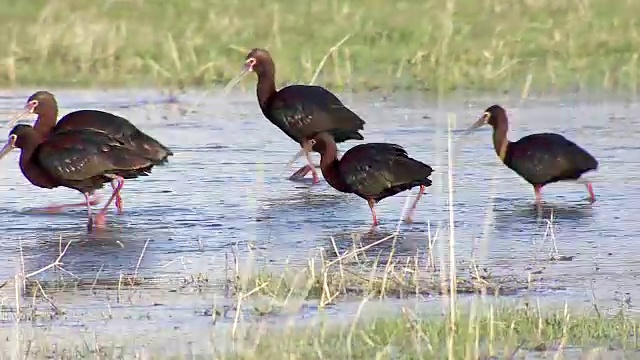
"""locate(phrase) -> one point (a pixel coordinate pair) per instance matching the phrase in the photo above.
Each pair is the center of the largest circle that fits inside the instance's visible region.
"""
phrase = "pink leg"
(52, 209)
(118, 197)
(90, 218)
(592, 195)
(537, 189)
(408, 219)
(312, 166)
(372, 206)
(100, 218)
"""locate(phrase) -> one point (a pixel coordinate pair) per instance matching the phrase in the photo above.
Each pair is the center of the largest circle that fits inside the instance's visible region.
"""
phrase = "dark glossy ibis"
(300, 111)
(79, 159)
(540, 159)
(372, 171)
(44, 104)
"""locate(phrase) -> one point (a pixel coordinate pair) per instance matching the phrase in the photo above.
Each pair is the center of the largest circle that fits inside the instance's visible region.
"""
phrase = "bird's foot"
(100, 220)
(300, 174)
(90, 225)
(408, 218)
(316, 179)
(590, 199)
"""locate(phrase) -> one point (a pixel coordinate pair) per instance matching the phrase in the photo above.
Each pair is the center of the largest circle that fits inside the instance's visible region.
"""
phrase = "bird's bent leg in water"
(300, 173)
(592, 195)
(372, 206)
(52, 209)
(90, 217)
(114, 184)
(100, 218)
(409, 218)
(310, 167)
(307, 149)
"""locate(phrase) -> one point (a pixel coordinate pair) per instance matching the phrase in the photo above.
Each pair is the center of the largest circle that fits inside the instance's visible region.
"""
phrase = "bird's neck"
(266, 88)
(33, 173)
(46, 121)
(330, 166)
(500, 140)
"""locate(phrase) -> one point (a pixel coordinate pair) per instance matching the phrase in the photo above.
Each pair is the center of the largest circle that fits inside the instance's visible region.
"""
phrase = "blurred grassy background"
(447, 45)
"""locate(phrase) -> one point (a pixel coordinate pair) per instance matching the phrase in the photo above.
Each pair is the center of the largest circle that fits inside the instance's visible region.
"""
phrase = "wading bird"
(540, 159)
(78, 159)
(44, 105)
(372, 171)
(300, 111)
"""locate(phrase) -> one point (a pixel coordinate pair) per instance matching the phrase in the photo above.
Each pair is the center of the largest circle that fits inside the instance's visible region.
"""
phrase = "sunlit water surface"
(226, 189)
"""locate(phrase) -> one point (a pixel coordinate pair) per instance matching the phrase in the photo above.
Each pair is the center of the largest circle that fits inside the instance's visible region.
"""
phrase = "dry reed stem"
(326, 56)
(452, 259)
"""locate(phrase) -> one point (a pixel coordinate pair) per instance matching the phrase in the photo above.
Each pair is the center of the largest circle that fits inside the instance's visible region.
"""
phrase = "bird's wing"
(380, 168)
(546, 155)
(79, 154)
(302, 111)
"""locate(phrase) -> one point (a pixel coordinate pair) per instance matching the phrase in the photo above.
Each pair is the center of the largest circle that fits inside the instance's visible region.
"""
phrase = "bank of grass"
(493, 333)
(411, 44)
(503, 333)
(296, 312)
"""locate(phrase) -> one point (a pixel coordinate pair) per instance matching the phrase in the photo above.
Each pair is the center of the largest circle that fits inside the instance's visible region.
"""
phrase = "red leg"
(310, 162)
(314, 173)
(90, 217)
(100, 218)
(408, 219)
(592, 195)
(118, 197)
(536, 189)
(372, 206)
(51, 209)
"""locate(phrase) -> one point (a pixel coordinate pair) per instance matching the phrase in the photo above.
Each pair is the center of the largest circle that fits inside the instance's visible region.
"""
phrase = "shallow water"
(226, 185)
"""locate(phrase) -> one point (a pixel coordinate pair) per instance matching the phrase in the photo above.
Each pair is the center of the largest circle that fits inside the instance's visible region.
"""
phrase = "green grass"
(441, 46)
(500, 332)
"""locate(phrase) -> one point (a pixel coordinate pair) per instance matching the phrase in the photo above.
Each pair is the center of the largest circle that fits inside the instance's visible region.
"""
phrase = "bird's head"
(20, 136)
(258, 61)
(38, 103)
(493, 115)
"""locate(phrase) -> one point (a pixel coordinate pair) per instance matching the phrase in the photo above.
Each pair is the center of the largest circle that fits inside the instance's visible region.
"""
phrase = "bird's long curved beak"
(236, 80)
(19, 116)
(298, 155)
(484, 119)
(305, 149)
(10, 145)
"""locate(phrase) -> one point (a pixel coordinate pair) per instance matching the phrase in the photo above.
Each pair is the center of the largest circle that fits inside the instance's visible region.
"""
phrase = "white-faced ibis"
(300, 111)
(372, 171)
(540, 159)
(79, 159)
(44, 104)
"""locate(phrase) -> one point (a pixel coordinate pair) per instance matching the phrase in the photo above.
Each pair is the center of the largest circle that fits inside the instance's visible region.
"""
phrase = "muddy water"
(226, 188)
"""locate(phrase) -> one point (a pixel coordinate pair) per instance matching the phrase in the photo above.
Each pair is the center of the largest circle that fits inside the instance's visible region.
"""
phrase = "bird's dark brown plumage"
(44, 104)
(540, 159)
(79, 159)
(373, 171)
(300, 111)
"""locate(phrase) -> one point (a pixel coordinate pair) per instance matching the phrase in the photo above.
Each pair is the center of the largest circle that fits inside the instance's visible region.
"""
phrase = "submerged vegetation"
(390, 306)
(423, 45)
